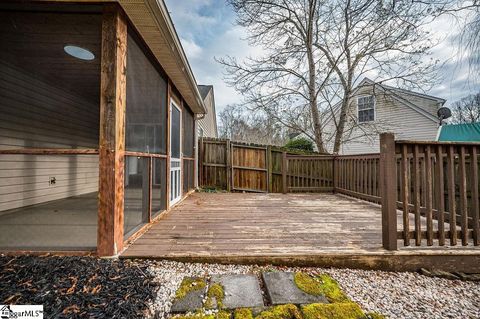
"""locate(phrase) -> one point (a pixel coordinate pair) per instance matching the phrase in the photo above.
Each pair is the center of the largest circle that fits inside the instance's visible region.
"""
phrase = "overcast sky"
(207, 29)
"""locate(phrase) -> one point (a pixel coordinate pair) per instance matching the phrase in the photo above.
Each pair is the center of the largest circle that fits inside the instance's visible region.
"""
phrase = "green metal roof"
(460, 133)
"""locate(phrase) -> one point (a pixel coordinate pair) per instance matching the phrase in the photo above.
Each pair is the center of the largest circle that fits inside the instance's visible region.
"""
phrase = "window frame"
(374, 108)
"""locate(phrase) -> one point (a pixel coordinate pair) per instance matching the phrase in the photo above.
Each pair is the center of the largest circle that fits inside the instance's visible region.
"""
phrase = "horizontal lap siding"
(36, 114)
(390, 116)
(208, 122)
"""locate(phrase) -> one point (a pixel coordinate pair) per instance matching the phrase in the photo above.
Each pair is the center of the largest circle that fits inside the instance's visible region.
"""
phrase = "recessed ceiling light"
(79, 53)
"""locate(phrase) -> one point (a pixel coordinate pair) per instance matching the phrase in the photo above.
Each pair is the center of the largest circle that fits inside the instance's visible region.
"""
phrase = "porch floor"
(306, 229)
(68, 224)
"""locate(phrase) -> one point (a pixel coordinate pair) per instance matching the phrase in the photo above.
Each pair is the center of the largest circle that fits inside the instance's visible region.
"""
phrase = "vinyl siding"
(209, 122)
(390, 116)
(36, 114)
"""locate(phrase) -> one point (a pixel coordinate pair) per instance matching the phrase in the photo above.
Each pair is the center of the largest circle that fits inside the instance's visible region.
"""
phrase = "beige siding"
(390, 116)
(39, 115)
(209, 122)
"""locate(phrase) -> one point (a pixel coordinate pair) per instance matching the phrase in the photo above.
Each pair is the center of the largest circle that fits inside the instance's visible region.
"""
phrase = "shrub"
(300, 143)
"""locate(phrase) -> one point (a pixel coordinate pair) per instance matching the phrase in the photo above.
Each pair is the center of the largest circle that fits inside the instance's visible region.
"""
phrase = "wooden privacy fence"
(431, 187)
(235, 166)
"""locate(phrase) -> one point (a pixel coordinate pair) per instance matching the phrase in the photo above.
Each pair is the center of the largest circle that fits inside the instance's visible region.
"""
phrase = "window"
(366, 109)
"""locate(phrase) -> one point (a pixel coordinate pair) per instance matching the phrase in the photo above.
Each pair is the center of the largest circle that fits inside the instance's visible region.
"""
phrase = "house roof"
(204, 90)
(423, 95)
(468, 132)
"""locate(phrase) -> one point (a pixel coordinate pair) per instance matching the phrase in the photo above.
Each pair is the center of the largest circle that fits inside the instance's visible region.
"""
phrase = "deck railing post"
(228, 165)
(284, 172)
(388, 187)
(335, 173)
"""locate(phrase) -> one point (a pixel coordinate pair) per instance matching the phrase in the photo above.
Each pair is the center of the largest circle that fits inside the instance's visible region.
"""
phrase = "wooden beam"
(284, 172)
(388, 182)
(167, 164)
(229, 166)
(112, 131)
(50, 151)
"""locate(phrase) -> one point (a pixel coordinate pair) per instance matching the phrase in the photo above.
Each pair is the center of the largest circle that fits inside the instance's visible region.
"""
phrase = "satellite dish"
(444, 113)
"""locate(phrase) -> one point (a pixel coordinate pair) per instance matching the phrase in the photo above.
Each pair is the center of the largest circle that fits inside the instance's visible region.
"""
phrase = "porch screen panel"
(188, 133)
(159, 187)
(146, 114)
(136, 199)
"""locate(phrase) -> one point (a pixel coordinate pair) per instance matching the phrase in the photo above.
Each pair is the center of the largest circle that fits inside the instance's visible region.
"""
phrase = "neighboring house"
(207, 124)
(467, 132)
(98, 109)
(376, 108)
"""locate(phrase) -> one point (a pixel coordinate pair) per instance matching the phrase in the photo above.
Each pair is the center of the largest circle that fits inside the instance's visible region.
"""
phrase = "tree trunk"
(341, 125)
(312, 85)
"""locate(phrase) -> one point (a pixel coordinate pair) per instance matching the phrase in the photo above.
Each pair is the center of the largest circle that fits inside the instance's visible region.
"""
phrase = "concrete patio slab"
(241, 291)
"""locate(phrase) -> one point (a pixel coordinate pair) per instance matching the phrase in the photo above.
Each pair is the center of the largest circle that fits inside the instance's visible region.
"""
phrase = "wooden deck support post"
(335, 173)
(112, 132)
(284, 173)
(269, 169)
(228, 166)
(388, 187)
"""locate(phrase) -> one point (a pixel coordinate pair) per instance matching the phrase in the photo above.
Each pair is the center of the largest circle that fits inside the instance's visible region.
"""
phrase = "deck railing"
(358, 176)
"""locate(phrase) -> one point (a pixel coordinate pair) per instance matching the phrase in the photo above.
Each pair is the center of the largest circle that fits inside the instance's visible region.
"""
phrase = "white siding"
(39, 115)
(209, 122)
(390, 116)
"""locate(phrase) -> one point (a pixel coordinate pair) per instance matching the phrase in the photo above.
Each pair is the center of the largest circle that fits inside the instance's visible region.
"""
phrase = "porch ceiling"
(152, 21)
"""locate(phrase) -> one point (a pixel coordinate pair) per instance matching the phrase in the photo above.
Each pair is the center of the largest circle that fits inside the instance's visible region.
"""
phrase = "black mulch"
(77, 287)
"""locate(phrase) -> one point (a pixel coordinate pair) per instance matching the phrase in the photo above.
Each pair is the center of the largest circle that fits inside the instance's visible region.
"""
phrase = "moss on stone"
(288, 311)
(375, 315)
(188, 285)
(243, 313)
(202, 315)
(321, 285)
(310, 285)
(216, 294)
(332, 290)
(345, 310)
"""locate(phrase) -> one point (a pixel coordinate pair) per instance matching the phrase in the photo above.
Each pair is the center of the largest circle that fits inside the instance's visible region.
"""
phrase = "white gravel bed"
(394, 294)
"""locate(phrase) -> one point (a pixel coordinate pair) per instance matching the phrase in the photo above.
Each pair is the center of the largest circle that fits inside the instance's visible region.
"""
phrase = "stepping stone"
(281, 289)
(193, 300)
(241, 291)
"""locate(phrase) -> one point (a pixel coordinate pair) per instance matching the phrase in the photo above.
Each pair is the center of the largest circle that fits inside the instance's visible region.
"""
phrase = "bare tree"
(467, 13)
(239, 124)
(316, 51)
(467, 109)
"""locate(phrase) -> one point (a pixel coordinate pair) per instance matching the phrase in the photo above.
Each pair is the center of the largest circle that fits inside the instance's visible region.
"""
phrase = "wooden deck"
(306, 229)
